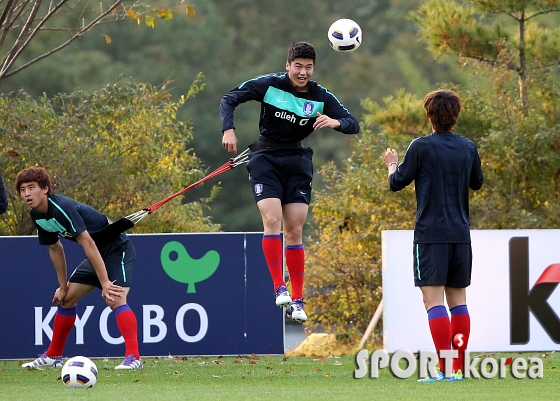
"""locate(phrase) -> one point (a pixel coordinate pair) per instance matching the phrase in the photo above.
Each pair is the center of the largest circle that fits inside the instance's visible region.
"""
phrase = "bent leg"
(127, 324)
(271, 213)
(66, 316)
(295, 215)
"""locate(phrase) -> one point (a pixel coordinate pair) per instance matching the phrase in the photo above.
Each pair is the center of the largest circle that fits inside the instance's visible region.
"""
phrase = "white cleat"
(129, 363)
(283, 297)
(295, 310)
(44, 361)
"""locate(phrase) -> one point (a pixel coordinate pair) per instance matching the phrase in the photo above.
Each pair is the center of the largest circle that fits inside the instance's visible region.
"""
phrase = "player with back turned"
(280, 167)
(443, 166)
(108, 267)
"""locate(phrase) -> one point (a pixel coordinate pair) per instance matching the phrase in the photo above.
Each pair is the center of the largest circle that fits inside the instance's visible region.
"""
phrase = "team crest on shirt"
(308, 108)
(258, 189)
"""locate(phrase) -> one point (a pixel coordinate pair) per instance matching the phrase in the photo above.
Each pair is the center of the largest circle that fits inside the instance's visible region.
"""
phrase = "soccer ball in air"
(79, 372)
(345, 35)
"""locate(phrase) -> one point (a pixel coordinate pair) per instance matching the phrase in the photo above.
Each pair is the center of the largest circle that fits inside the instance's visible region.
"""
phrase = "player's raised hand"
(390, 156)
(229, 141)
(324, 121)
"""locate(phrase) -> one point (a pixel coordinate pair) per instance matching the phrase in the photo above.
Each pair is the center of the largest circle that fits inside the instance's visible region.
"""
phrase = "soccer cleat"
(439, 378)
(456, 377)
(283, 297)
(296, 312)
(130, 362)
(44, 361)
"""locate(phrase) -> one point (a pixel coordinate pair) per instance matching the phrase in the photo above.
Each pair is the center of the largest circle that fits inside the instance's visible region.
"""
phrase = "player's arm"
(324, 121)
(403, 174)
(227, 107)
(476, 177)
(58, 259)
(391, 160)
(229, 141)
(109, 290)
(253, 89)
(336, 116)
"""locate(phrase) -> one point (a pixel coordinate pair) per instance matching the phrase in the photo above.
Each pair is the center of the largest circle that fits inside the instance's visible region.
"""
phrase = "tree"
(21, 21)
(118, 149)
(510, 111)
(515, 123)
(451, 28)
(235, 40)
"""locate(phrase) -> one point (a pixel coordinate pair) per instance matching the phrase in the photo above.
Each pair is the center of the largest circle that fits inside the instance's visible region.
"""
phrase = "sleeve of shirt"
(477, 178)
(406, 171)
(3, 198)
(45, 237)
(334, 109)
(253, 89)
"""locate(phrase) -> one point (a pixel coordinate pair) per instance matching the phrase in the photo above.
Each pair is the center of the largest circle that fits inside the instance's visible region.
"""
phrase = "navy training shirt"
(443, 166)
(68, 218)
(286, 115)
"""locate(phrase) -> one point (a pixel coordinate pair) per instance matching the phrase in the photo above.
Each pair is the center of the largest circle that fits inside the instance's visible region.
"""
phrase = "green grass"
(262, 378)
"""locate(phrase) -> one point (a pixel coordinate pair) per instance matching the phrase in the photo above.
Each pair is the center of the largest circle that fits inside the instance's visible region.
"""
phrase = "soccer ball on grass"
(79, 372)
(345, 35)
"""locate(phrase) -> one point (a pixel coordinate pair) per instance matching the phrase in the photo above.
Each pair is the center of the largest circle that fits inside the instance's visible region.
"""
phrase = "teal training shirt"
(286, 115)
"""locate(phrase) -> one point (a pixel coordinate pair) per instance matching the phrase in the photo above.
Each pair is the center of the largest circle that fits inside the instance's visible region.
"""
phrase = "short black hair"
(442, 107)
(301, 50)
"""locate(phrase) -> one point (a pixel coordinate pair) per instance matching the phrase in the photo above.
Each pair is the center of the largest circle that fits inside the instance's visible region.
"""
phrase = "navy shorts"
(449, 265)
(282, 174)
(119, 263)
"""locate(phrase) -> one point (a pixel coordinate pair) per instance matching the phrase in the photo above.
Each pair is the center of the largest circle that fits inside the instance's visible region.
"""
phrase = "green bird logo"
(185, 269)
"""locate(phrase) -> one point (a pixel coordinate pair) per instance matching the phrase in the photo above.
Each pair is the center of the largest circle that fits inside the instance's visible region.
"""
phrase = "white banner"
(523, 263)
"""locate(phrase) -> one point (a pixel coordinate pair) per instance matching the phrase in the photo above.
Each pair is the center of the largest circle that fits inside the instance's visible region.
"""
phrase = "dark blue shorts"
(119, 263)
(442, 264)
(282, 174)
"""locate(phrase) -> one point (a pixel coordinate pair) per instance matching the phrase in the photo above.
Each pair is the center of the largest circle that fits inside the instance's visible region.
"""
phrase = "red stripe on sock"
(61, 329)
(441, 334)
(460, 324)
(128, 326)
(272, 248)
(295, 261)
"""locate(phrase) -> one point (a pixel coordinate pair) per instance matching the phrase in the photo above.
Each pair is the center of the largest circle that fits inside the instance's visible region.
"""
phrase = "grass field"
(290, 378)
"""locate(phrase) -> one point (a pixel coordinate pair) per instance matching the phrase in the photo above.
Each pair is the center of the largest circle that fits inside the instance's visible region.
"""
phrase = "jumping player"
(443, 166)
(280, 168)
(108, 268)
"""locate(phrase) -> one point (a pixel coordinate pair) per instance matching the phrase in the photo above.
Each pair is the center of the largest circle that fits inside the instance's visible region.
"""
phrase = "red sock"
(295, 261)
(440, 327)
(126, 322)
(460, 324)
(272, 248)
(63, 323)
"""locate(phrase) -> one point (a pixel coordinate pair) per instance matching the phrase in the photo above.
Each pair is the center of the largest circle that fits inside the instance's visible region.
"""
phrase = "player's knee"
(68, 303)
(294, 234)
(272, 222)
(118, 301)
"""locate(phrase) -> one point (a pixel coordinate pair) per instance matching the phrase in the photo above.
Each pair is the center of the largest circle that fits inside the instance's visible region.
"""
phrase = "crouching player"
(108, 268)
